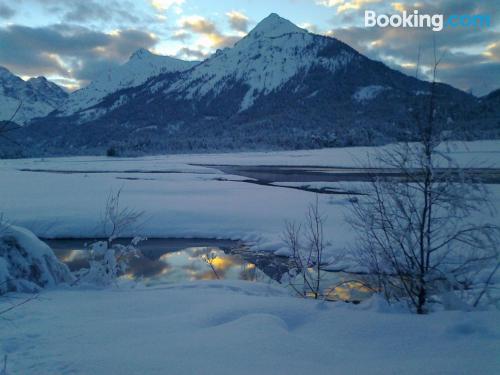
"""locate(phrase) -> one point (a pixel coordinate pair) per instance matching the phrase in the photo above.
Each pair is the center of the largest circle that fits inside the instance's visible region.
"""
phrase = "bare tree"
(210, 259)
(416, 236)
(7, 126)
(306, 244)
(118, 220)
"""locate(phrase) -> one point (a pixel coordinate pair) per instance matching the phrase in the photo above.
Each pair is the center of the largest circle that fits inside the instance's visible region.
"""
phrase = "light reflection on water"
(189, 264)
(177, 260)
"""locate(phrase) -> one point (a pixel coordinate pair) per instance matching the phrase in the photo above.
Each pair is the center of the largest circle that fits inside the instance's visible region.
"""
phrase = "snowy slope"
(141, 66)
(270, 55)
(38, 95)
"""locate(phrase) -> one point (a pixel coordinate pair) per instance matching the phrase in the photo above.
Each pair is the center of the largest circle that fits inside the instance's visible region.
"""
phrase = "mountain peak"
(44, 86)
(274, 25)
(39, 79)
(140, 54)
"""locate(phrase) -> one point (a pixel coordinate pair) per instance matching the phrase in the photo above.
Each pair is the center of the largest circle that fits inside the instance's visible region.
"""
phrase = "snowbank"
(239, 328)
(28, 264)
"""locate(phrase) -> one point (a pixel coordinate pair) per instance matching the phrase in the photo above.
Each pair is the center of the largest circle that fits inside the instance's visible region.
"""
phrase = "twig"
(18, 304)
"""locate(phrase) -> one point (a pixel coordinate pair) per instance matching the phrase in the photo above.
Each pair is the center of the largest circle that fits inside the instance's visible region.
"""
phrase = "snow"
(141, 66)
(368, 93)
(273, 26)
(272, 53)
(223, 327)
(39, 97)
(8, 106)
(185, 200)
(26, 263)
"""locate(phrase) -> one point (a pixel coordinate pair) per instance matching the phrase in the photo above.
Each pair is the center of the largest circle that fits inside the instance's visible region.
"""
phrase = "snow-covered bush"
(28, 264)
(107, 261)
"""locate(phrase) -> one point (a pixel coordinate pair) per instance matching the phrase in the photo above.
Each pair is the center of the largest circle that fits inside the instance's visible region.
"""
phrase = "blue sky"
(71, 41)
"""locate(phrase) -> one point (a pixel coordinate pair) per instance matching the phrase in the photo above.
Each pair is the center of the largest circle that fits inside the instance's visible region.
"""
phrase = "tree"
(307, 245)
(418, 237)
(7, 126)
(118, 220)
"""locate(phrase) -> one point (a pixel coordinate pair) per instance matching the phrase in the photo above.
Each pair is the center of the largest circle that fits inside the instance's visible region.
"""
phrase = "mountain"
(39, 97)
(141, 66)
(484, 120)
(280, 87)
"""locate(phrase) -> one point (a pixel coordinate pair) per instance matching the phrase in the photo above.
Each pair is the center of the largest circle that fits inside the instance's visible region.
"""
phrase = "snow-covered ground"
(239, 328)
(218, 327)
(187, 200)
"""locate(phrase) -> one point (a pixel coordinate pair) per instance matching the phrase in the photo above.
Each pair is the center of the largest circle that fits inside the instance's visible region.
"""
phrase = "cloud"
(69, 51)
(399, 49)
(6, 12)
(446, 7)
(199, 24)
(124, 12)
(238, 21)
(163, 5)
(91, 10)
(202, 26)
(346, 5)
(181, 35)
(492, 51)
(310, 27)
(223, 41)
(67, 84)
(470, 53)
(191, 54)
(92, 68)
(399, 7)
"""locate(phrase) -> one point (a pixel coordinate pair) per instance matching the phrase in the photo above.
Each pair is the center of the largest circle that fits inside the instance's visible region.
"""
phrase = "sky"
(72, 41)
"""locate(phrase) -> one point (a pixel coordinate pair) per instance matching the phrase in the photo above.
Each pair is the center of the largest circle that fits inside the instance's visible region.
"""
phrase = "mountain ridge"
(141, 66)
(37, 97)
(279, 87)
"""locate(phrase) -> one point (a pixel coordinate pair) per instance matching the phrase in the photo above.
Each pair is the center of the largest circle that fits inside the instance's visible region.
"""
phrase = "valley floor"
(65, 197)
(218, 327)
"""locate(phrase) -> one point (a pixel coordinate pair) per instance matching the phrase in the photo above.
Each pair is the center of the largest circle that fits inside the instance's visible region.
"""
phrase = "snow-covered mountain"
(280, 87)
(39, 97)
(141, 66)
(271, 54)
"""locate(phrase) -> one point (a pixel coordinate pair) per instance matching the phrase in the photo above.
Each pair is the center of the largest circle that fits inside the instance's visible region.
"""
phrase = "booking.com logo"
(416, 20)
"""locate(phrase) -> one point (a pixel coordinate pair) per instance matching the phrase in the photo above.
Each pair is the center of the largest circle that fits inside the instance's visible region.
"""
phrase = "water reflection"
(179, 260)
(166, 266)
(347, 290)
